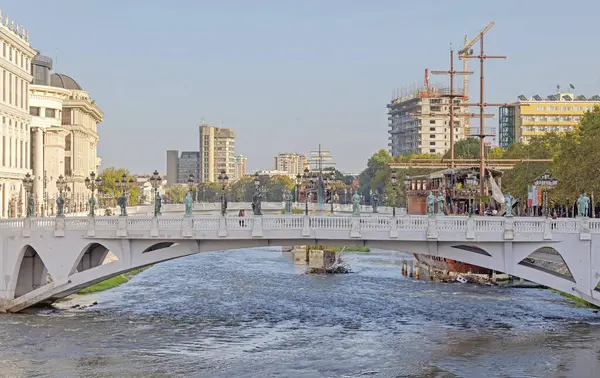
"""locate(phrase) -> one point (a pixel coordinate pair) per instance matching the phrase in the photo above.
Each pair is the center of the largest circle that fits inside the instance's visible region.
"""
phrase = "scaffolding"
(507, 126)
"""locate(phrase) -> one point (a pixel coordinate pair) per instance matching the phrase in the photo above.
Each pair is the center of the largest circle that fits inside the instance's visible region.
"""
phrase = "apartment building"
(217, 152)
(290, 162)
(418, 121)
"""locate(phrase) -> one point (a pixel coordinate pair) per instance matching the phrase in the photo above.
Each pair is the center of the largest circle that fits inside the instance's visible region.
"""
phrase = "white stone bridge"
(44, 259)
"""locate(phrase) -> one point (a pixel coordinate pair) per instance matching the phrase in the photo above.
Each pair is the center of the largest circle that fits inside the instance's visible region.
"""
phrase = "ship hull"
(450, 265)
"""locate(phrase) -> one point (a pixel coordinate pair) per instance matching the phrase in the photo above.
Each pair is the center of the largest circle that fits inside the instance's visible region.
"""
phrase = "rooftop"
(64, 81)
(563, 97)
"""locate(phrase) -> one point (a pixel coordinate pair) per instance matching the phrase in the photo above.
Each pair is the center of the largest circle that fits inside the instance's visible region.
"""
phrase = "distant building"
(217, 152)
(529, 117)
(172, 164)
(275, 173)
(240, 167)
(179, 168)
(418, 122)
(292, 163)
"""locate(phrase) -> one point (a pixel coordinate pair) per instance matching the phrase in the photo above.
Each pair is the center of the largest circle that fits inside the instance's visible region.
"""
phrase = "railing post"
(222, 227)
(27, 227)
(394, 227)
(432, 231)
(585, 233)
(91, 227)
(186, 231)
(122, 227)
(470, 228)
(306, 226)
(257, 229)
(355, 227)
(509, 231)
(154, 228)
(547, 229)
(59, 226)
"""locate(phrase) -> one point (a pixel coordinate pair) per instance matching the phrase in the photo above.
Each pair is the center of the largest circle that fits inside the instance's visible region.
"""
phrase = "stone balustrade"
(443, 228)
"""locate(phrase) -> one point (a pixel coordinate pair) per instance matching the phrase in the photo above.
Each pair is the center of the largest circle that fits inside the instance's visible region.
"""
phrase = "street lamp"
(328, 183)
(306, 180)
(61, 185)
(407, 185)
(155, 181)
(223, 180)
(395, 187)
(190, 182)
(28, 185)
(45, 181)
(298, 182)
(92, 183)
(546, 183)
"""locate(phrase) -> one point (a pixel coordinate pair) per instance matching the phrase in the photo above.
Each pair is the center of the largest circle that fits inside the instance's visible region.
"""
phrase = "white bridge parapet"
(442, 228)
(70, 250)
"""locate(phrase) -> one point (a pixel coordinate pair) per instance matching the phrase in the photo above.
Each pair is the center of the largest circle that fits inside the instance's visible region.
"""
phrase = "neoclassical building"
(15, 77)
(64, 137)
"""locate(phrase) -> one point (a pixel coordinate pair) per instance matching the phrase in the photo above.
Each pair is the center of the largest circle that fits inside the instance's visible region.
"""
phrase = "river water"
(253, 313)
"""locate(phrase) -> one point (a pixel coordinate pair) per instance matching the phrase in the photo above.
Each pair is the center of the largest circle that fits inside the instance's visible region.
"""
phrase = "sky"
(287, 75)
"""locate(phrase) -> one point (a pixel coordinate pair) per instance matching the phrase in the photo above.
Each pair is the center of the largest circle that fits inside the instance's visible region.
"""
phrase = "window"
(432, 122)
(432, 143)
(432, 136)
(432, 150)
(34, 111)
(50, 113)
(432, 129)
(66, 117)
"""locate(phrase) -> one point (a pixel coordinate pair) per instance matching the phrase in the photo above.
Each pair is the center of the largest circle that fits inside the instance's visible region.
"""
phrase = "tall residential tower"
(217, 152)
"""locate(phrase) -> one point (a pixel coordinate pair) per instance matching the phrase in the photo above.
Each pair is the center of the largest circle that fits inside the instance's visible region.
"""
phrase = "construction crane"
(467, 50)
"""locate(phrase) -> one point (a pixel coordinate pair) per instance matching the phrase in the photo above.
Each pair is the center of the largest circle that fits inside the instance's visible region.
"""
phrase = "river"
(253, 313)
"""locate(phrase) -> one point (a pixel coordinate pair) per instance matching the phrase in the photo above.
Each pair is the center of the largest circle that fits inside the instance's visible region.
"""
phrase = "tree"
(110, 176)
(276, 186)
(176, 193)
(242, 190)
(376, 174)
(208, 191)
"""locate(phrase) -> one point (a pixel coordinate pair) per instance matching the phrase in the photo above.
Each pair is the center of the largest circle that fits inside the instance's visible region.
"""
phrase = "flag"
(572, 86)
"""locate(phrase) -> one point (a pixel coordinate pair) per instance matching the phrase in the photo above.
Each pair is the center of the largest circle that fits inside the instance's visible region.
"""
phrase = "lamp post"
(329, 187)
(407, 185)
(45, 179)
(92, 183)
(61, 185)
(395, 188)
(546, 183)
(155, 181)
(298, 182)
(223, 180)
(28, 185)
(306, 180)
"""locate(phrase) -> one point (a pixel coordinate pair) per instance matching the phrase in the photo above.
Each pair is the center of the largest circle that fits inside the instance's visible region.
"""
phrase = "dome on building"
(64, 81)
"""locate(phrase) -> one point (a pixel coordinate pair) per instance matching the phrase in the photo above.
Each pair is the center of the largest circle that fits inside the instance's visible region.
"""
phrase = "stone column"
(38, 166)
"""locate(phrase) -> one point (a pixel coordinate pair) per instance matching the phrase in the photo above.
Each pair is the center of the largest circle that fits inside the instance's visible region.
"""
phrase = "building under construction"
(418, 121)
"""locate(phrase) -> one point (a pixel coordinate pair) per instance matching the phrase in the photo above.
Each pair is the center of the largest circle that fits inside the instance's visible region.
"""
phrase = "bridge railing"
(448, 227)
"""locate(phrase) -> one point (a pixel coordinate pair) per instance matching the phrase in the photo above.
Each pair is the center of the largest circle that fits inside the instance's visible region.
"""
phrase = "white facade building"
(15, 76)
(64, 137)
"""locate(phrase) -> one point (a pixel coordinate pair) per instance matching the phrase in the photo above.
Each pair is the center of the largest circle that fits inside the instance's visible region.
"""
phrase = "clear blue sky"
(287, 75)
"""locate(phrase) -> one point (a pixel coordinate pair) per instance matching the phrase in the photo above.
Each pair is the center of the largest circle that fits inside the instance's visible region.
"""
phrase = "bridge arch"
(30, 271)
(548, 260)
(91, 256)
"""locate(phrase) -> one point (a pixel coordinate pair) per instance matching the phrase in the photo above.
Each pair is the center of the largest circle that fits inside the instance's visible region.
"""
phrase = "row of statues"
(20, 31)
(431, 200)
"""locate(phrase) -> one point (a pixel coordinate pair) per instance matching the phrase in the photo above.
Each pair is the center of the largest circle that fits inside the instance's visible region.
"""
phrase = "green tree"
(208, 191)
(275, 187)
(176, 193)
(377, 172)
(109, 188)
(242, 190)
